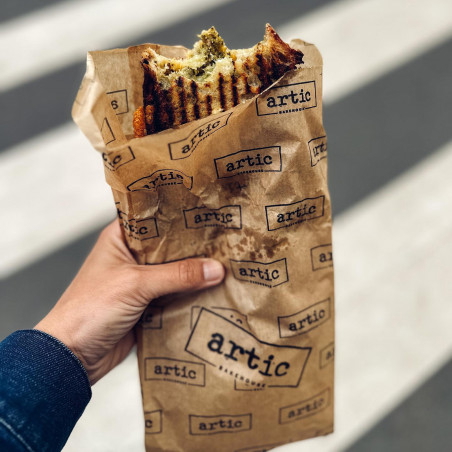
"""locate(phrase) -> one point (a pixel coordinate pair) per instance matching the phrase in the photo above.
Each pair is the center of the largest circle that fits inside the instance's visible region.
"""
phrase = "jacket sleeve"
(44, 389)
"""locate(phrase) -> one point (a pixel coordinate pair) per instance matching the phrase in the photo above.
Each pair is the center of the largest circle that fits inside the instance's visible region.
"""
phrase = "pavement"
(387, 110)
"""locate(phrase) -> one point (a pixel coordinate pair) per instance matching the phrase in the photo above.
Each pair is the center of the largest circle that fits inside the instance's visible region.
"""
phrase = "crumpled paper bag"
(248, 365)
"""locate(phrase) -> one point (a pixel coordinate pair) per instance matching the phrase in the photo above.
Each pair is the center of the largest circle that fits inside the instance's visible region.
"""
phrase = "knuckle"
(188, 272)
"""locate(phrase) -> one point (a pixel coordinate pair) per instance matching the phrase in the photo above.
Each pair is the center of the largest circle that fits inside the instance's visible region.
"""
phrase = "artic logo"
(228, 217)
(117, 158)
(305, 320)
(270, 274)
(142, 229)
(257, 160)
(184, 148)
(221, 423)
(161, 178)
(285, 215)
(237, 353)
(152, 318)
(287, 99)
(153, 422)
(322, 256)
(306, 408)
(118, 101)
(326, 355)
(175, 370)
(319, 149)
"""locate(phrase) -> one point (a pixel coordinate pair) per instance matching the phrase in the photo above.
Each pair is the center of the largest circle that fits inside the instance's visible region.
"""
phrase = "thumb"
(181, 276)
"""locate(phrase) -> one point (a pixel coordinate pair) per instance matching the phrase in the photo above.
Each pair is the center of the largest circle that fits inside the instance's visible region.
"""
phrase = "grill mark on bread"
(234, 81)
(274, 68)
(209, 104)
(227, 91)
(159, 104)
(235, 93)
(194, 91)
(247, 84)
(180, 84)
(264, 68)
(277, 65)
(221, 91)
(149, 83)
(169, 117)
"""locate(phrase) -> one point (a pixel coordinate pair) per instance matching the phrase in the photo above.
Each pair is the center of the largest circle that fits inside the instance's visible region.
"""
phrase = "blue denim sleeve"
(44, 389)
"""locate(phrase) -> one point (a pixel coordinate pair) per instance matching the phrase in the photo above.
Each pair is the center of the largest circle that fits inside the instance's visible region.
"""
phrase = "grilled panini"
(211, 78)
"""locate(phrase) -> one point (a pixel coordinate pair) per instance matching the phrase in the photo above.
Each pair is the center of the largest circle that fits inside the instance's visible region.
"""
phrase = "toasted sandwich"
(211, 78)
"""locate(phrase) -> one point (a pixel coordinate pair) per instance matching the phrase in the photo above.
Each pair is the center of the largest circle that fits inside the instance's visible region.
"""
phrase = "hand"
(96, 314)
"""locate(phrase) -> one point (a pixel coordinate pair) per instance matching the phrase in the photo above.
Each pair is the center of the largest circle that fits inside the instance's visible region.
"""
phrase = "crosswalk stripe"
(52, 191)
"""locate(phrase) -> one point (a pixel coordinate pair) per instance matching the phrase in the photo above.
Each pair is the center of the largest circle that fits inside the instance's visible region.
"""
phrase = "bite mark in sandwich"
(210, 79)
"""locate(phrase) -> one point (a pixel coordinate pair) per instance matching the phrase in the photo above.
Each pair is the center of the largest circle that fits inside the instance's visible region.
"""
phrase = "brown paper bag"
(246, 366)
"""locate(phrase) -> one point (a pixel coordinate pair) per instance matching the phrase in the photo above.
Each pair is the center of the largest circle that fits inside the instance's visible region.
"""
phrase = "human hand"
(96, 314)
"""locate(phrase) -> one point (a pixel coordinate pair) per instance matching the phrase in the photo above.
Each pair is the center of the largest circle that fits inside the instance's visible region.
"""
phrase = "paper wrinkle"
(247, 365)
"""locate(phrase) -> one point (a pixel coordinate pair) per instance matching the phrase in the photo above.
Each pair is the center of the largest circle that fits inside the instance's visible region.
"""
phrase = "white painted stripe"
(361, 40)
(61, 34)
(392, 307)
(393, 292)
(52, 191)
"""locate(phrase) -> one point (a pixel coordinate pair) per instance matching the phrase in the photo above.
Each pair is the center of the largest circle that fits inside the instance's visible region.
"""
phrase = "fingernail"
(212, 270)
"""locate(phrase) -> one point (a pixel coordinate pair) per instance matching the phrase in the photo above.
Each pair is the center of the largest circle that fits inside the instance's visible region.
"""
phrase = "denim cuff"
(44, 390)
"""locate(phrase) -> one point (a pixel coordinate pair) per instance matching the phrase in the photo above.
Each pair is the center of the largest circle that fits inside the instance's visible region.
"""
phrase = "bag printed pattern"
(247, 365)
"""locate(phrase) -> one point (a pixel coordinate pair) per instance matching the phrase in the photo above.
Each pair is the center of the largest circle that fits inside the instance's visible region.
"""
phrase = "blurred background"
(388, 117)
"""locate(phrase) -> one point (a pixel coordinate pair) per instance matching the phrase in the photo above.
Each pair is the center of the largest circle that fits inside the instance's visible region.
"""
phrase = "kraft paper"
(248, 365)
